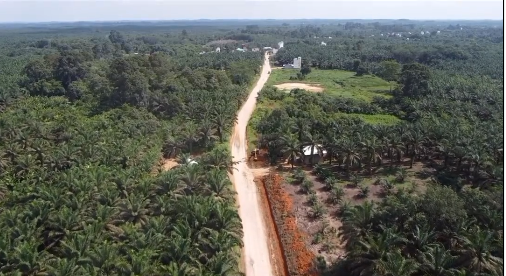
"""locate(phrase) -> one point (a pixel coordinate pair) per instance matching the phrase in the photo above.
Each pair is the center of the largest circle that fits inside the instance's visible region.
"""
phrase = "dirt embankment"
(299, 259)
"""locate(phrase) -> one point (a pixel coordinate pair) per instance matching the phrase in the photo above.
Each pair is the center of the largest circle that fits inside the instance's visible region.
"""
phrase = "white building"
(281, 44)
(297, 63)
(218, 50)
(323, 44)
(312, 154)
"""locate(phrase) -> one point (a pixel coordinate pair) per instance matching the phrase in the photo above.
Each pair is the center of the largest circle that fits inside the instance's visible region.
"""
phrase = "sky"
(89, 10)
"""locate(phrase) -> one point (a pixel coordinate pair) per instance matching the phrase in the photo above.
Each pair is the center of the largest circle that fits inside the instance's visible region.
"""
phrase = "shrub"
(313, 199)
(364, 191)
(330, 182)
(306, 186)
(401, 175)
(336, 194)
(318, 210)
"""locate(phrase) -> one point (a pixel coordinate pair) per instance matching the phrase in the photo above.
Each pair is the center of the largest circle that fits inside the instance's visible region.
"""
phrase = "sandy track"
(293, 85)
(255, 252)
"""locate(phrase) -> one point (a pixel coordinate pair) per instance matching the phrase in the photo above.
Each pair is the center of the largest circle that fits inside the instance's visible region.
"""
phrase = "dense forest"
(85, 121)
(448, 97)
(87, 113)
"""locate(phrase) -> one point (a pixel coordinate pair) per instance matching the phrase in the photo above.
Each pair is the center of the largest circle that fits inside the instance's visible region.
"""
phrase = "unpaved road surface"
(255, 253)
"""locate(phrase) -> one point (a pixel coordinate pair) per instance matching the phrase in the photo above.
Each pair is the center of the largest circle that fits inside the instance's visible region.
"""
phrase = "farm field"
(338, 83)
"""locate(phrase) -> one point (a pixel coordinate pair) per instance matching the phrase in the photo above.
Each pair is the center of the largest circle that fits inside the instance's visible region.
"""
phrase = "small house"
(316, 155)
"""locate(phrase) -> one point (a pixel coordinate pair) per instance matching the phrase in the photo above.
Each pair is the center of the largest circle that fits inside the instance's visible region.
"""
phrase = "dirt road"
(256, 253)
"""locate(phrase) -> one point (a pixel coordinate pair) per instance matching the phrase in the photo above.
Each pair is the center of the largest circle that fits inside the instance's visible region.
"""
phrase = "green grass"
(376, 119)
(338, 82)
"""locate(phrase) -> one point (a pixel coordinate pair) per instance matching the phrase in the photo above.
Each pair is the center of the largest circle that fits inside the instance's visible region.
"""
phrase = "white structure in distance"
(297, 64)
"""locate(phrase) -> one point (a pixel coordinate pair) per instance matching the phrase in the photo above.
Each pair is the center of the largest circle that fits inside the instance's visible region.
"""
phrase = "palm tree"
(219, 158)
(369, 252)
(218, 184)
(184, 159)
(190, 135)
(492, 175)
(227, 219)
(177, 269)
(415, 139)
(220, 120)
(437, 261)
(350, 154)
(476, 255)
(477, 158)
(104, 257)
(291, 147)
(420, 239)
(65, 267)
(357, 222)
(133, 209)
(401, 175)
(371, 148)
(207, 133)
(330, 143)
(312, 140)
(222, 265)
(336, 194)
(171, 147)
(192, 178)
(395, 149)
(167, 183)
(395, 264)
(300, 127)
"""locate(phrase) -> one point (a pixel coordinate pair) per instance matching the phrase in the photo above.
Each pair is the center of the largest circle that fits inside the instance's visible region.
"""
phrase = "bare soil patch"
(260, 172)
(293, 85)
(169, 164)
(322, 233)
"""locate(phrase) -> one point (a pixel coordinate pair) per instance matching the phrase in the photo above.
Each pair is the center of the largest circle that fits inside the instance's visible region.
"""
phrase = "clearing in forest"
(294, 85)
(337, 82)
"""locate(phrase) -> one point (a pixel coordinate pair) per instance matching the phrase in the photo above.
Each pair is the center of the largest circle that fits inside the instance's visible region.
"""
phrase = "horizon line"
(236, 19)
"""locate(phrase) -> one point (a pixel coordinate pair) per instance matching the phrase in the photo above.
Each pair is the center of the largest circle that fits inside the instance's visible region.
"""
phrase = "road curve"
(255, 252)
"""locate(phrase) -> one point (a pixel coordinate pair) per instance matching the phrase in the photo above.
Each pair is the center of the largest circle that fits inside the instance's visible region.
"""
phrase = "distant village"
(244, 48)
